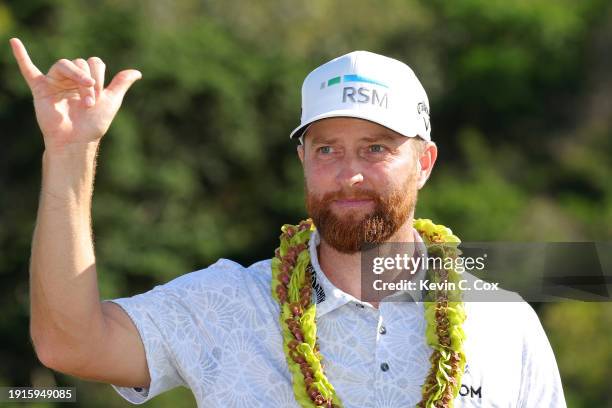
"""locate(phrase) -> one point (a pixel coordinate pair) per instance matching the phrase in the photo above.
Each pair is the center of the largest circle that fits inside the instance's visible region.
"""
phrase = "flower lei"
(444, 312)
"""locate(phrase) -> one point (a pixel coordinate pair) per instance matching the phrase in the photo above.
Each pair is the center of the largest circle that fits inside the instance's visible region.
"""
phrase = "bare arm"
(72, 330)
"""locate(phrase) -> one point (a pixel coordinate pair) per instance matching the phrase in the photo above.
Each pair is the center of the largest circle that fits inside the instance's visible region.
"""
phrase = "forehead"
(349, 129)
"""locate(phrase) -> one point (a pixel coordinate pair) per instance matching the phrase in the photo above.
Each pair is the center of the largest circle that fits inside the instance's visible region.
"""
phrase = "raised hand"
(72, 106)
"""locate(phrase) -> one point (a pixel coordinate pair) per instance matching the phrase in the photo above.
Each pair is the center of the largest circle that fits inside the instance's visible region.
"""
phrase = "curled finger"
(87, 92)
(97, 69)
(66, 69)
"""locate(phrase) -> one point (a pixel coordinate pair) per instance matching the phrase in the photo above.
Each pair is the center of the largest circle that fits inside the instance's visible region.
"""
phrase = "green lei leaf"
(444, 313)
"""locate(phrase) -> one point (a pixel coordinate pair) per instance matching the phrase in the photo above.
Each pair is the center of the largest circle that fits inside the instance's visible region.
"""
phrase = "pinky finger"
(97, 69)
(67, 69)
(87, 92)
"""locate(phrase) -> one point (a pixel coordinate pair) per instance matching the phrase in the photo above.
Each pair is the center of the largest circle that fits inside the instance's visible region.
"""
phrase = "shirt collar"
(328, 297)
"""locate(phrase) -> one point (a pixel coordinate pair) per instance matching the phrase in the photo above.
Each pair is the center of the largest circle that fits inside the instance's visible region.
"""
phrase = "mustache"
(361, 194)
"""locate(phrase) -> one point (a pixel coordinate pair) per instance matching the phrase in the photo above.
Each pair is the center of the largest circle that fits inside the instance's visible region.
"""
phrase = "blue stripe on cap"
(359, 78)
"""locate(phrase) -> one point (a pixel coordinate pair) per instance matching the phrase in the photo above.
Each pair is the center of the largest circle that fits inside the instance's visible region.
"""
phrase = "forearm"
(65, 304)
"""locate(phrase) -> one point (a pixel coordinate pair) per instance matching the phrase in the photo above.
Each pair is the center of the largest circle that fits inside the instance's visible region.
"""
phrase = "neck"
(344, 270)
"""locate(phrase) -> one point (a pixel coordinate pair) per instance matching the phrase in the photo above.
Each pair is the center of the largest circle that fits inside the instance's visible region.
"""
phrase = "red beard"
(348, 233)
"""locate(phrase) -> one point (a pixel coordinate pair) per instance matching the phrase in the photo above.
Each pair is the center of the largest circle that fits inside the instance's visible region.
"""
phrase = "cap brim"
(350, 113)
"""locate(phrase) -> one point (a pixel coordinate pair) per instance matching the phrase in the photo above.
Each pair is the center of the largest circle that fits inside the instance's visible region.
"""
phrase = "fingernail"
(89, 101)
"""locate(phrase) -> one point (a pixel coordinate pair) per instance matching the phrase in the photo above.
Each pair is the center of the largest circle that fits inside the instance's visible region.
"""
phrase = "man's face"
(361, 181)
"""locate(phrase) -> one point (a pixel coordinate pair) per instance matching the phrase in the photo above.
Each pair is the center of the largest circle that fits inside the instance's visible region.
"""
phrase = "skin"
(71, 329)
(349, 154)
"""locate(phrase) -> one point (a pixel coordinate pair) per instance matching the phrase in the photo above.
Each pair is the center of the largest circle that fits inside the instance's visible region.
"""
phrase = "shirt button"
(382, 330)
(384, 367)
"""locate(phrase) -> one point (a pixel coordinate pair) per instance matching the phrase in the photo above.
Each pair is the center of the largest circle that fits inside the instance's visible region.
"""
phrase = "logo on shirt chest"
(319, 292)
(467, 389)
(470, 391)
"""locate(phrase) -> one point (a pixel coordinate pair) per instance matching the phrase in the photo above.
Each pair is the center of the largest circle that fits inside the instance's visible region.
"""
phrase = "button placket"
(382, 330)
(381, 327)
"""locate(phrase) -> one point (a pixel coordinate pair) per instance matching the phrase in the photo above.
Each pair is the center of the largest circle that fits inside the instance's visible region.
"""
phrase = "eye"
(377, 148)
(324, 149)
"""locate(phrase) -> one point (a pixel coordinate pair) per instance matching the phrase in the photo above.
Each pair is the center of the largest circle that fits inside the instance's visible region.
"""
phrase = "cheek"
(406, 167)
(381, 173)
(318, 179)
(391, 175)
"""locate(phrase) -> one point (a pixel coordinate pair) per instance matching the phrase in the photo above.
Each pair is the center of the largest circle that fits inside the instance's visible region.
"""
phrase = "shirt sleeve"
(540, 382)
(148, 312)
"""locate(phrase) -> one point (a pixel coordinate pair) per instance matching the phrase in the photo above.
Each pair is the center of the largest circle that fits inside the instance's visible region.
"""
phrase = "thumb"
(122, 82)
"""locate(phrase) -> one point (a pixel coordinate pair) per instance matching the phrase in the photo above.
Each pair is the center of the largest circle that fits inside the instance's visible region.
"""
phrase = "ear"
(426, 163)
(300, 151)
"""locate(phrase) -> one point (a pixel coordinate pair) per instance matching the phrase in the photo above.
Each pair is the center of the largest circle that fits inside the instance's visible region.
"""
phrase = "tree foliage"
(198, 164)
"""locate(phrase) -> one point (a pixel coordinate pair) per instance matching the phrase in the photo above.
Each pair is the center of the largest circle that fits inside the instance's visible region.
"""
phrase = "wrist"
(72, 151)
(70, 169)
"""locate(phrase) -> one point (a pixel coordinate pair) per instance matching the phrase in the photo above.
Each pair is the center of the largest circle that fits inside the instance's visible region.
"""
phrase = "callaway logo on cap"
(369, 86)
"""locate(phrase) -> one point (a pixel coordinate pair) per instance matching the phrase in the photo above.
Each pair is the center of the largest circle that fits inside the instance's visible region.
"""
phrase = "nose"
(349, 173)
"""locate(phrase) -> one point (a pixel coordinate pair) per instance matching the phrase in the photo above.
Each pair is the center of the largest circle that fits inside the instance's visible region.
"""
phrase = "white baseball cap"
(369, 86)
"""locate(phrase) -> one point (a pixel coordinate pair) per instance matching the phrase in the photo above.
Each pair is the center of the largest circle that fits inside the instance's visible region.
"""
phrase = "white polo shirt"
(217, 332)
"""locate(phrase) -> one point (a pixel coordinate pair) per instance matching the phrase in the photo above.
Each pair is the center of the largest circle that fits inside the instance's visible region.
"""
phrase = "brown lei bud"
(281, 291)
(284, 277)
(293, 345)
(306, 370)
(455, 358)
(308, 381)
(277, 253)
(319, 400)
(299, 336)
(289, 258)
(291, 252)
(304, 225)
(443, 325)
(294, 355)
(291, 323)
(296, 309)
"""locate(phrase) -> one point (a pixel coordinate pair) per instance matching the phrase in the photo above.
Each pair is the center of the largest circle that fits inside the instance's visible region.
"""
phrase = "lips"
(354, 202)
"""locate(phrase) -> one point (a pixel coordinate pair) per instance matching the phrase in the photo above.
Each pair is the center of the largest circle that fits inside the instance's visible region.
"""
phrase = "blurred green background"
(198, 165)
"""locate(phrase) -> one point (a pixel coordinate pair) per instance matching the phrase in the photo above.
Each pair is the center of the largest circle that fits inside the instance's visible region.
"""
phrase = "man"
(366, 151)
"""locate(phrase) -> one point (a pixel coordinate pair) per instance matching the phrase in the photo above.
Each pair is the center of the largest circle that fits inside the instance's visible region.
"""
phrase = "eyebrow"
(329, 139)
(379, 136)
